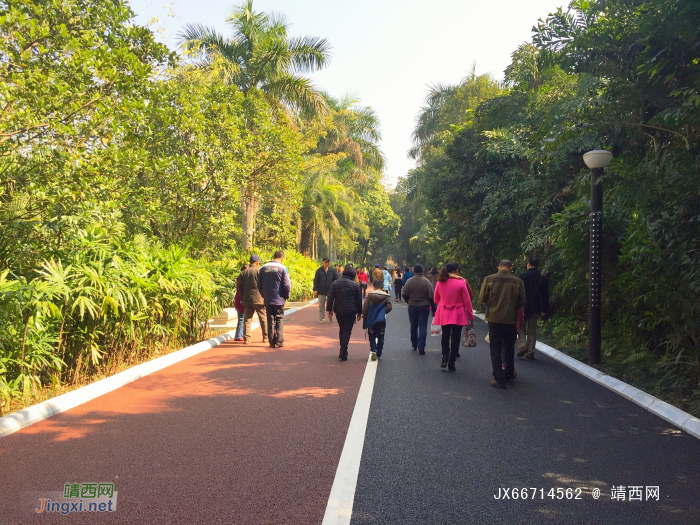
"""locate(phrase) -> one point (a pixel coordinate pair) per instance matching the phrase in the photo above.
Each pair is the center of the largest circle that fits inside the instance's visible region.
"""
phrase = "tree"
(449, 105)
(343, 148)
(260, 56)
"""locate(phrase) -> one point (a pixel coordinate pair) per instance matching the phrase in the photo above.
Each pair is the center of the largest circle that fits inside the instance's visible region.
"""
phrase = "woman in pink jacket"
(454, 311)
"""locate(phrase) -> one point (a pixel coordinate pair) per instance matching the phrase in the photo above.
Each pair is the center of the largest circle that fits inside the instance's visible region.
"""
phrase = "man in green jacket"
(503, 294)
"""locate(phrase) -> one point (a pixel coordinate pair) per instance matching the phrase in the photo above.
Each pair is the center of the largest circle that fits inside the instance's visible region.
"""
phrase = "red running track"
(237, 434)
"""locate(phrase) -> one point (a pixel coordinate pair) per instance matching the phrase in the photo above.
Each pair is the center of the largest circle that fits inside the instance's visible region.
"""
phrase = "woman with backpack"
(454, 311)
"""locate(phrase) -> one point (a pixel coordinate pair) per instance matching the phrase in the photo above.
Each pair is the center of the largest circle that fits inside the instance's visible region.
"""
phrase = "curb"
(44, 410)
(665, 411)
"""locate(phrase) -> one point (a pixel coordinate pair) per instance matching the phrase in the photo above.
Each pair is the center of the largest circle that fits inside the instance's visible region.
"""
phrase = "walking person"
(433, 276)
(363, 277)
(240, 308)
(374, 311)
(503, 294)
(536, 304)
(377, 274)
(252, 299)
(398, 284)
(387, 279)
(275, 286)
(345, 299)
(323, 280)
(418, 293)
(454, 311)
(407, 274)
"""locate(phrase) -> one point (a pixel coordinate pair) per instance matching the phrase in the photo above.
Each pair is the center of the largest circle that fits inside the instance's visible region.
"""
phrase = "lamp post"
(596, 160)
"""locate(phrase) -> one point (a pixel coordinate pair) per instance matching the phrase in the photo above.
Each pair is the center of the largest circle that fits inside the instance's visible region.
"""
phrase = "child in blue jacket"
(377, 305)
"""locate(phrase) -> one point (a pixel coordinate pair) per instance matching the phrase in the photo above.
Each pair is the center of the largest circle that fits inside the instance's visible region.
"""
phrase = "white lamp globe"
(598, 158)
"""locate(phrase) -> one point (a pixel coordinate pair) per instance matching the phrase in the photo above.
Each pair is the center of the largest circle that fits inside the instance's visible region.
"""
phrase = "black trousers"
(275, 315)
(345, 323)
(397, 290)
(502, 339)
(451, 337)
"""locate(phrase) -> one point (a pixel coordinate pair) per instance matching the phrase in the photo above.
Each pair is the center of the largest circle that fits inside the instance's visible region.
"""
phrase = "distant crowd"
(512, 305)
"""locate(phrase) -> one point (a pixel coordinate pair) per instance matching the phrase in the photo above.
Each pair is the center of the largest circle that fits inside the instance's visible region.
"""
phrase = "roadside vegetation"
(501, 175)
(135, 180)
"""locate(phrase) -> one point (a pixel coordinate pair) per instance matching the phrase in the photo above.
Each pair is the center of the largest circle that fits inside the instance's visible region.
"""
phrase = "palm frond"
(309, 53)
(298, 92)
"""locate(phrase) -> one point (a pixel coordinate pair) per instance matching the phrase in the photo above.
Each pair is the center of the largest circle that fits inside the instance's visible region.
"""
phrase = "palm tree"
(260, 56)
(326, 203)
(353, 130)
(446, 105)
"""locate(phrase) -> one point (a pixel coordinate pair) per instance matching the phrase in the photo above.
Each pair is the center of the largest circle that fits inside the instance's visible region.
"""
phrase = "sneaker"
(421, 352)
(373, 356)
(496, 384)
(522, 352)
(530, 356)
(239, 339)
(451, 368)
(443, 364)
(322, 321)
(279, 345)
(415, 348)
(343, 358)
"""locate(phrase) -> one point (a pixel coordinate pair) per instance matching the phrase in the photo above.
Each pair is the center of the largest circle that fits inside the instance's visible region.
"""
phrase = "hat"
(376, 266)
(254, 258)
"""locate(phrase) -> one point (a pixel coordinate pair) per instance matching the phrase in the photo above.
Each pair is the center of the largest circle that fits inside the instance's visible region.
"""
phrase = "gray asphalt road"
(440, 446)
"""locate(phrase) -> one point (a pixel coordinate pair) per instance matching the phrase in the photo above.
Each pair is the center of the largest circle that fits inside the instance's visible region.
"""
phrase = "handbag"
(469, 336)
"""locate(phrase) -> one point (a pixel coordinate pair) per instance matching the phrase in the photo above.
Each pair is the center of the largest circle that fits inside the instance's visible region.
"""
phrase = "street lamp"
(596, 160)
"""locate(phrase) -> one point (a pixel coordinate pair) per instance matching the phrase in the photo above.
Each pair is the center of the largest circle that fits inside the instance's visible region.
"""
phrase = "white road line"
(339, 508)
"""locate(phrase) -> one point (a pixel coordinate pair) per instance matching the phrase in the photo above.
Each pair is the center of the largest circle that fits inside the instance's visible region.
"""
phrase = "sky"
(386, 52)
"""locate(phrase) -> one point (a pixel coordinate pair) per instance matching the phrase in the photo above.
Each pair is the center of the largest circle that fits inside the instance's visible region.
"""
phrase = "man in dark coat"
(275, 287)
(537, 303)
(345, 299)
(324, 278)
(252, 300)
(418, 293)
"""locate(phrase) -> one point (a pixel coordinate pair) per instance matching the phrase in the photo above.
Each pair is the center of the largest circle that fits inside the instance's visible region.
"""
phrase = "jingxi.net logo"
(80, 497)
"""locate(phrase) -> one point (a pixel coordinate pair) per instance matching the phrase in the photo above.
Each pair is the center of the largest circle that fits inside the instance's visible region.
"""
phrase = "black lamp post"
(597, 160)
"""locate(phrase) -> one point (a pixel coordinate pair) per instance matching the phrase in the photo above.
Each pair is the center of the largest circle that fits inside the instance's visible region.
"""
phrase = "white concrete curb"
(33, 414)
(667, 412)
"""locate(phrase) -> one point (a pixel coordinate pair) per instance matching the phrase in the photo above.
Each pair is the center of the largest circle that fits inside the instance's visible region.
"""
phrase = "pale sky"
(385, 51)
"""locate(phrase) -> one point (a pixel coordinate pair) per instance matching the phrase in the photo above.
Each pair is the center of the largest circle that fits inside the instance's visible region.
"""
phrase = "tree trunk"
(331, 256)
(307, 239)
(250, 208)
